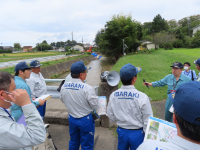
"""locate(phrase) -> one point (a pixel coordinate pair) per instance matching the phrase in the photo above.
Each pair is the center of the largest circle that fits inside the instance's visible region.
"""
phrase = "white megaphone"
(111, 77)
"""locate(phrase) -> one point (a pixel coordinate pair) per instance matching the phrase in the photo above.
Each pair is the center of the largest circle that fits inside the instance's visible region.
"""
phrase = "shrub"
(88, 53)
(178, 44)
(45, 50)
(168, 46)
(5, 51)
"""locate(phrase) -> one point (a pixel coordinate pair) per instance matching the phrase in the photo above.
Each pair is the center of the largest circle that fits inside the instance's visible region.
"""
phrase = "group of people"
(127, 106)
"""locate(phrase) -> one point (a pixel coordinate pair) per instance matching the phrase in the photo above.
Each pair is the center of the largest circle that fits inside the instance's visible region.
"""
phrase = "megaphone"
(111, 77)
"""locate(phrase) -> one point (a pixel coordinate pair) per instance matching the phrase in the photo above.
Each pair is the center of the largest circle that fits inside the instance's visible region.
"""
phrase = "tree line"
(163, 33)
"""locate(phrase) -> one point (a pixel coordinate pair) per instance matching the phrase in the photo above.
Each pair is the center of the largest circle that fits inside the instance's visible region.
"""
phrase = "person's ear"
(1, 97)
(174, 119)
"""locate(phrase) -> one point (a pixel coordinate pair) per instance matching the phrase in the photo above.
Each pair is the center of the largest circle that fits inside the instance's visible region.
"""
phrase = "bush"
(68, 53)
(168, 46)
(178, 44)
(5, 51)
(45, 50)
(88, 53)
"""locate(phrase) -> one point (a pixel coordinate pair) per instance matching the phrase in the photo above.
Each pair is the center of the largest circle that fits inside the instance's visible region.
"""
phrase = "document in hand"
(160, 130)
(103, 105)
(44, 97)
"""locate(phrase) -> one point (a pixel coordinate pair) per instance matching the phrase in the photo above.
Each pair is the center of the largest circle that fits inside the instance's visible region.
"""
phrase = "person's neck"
(22, 77)
(36, 72)
(183, 137)
(177, 77)
(188, 70)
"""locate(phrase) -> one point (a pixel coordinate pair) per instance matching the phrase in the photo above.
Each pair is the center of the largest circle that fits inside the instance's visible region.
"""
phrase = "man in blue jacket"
(173, 81)
(22, 72)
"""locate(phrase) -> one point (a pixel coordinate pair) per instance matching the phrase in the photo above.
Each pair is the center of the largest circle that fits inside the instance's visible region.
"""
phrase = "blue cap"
(177, 65)
(78, 67)
(197, 62)
(35, 64)
(128, 71)
(186, 101)
(21, 66)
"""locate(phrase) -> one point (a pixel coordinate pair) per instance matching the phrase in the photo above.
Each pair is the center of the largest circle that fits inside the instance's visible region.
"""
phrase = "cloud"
(32, 21)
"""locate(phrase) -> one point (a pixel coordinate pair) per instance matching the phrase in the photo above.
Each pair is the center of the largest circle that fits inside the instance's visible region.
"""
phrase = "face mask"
(186, 68)
(7, 100)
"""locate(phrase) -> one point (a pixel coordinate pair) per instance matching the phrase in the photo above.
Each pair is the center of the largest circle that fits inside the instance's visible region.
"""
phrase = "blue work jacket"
(16, 111)
(170, 80)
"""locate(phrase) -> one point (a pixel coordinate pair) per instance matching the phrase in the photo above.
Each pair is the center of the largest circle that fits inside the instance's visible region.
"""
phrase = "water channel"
(93, 75)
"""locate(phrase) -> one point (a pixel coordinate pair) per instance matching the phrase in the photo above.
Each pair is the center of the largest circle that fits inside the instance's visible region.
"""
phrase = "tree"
(44, 42)
(159, 24)
(53, 44)
(97, 37)
(17, 45)
(172, 24)
(120, 27)
(43, 47)
(147, 28)
(139, 31)
(162, 37)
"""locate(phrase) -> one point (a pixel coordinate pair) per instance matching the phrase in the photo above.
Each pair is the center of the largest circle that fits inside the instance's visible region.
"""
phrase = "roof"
(146, 42)
(7, 46)
(27, 46)
(196, 27)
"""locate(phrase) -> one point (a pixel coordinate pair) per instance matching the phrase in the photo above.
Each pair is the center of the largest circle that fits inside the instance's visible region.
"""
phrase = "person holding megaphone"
(130, 109)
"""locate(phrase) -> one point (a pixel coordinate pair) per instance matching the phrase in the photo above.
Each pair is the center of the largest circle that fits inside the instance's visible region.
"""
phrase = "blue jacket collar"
(19, 78)
(180, 78)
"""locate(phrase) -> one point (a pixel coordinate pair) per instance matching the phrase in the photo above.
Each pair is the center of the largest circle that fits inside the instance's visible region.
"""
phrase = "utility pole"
(72, 41)
(82, 40)
(123, 47)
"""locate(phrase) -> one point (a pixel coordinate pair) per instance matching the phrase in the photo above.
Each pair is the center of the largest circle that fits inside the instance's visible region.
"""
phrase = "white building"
(195, 29)
(78, 48)
(149, 44)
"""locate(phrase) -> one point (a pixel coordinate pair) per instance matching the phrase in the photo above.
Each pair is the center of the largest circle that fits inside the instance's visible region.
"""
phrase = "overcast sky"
(31, 21)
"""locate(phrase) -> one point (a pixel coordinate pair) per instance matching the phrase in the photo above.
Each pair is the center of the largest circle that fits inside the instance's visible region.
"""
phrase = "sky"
(31, 21)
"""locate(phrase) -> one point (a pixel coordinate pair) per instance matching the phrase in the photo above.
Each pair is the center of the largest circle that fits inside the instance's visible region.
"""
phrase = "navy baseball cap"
(35, 64)
(186, 101)
(177, 65)
(78, 67)
(128, 71)
(21, 66)
(197, 62)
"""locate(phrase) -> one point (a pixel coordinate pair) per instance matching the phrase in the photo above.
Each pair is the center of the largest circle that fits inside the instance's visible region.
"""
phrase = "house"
(27, 48)
(78, 48)
(54, 47)
(147, 44)
(195, 29)
(7, 47)
(87, 45)
(61, 49)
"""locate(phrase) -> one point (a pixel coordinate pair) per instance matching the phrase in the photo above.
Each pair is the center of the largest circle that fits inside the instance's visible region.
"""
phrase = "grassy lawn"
(155, 66)
(19, 56)
(47, 63)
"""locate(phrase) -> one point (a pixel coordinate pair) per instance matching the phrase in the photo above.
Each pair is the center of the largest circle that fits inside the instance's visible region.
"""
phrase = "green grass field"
(155, 66)
(47, 63)
(19, 56)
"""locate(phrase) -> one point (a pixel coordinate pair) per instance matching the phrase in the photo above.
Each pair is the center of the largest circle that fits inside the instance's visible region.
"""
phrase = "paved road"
(41, 59)
(103, 138)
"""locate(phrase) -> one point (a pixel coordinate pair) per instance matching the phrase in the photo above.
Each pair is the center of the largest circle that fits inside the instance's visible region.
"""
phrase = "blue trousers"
(42, 110)
(81, 132)
(168, 114)
(129, 138)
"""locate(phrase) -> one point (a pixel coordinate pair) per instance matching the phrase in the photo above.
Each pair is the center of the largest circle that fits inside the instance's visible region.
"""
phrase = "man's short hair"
(187, 63)
(5, 80)
(189, 130)
(17, 72)
(127, 82)
(76, 76)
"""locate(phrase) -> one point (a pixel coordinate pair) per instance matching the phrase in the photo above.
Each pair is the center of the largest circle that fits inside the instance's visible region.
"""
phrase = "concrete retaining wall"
(62, 67)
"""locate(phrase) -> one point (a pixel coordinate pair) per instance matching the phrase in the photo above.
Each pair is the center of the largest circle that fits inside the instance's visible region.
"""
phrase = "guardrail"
(52, 90)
